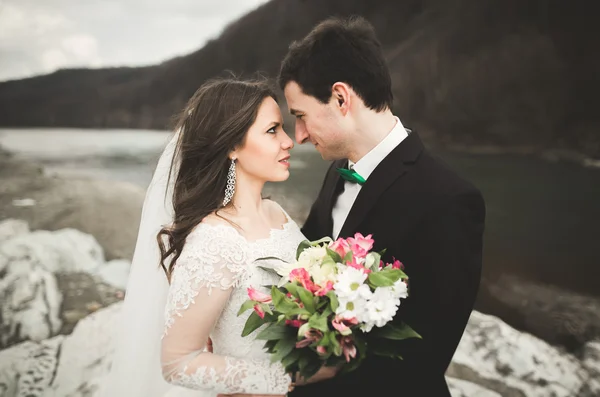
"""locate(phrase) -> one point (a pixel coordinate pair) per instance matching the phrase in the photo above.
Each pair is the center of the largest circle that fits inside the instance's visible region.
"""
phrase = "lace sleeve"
(211, 265)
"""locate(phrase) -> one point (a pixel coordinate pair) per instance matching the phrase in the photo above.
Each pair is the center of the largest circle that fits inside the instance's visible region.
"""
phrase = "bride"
(205, 208)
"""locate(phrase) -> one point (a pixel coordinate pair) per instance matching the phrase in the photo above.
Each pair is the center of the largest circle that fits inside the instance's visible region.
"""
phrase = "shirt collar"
(367, 164)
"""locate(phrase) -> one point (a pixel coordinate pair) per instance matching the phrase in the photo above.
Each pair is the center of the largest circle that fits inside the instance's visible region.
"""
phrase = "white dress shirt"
(365, 166)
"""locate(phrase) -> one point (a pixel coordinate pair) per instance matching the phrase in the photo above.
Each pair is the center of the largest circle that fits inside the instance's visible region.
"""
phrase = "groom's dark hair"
(340, 50)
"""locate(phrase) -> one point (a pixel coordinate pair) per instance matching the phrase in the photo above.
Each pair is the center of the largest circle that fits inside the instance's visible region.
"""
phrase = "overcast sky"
(41, 36)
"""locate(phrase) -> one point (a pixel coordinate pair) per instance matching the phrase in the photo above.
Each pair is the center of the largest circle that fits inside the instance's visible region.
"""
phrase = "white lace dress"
(208, 286)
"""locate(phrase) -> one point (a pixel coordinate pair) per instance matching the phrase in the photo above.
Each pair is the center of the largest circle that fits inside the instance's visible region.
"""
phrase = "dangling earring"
(230, 189)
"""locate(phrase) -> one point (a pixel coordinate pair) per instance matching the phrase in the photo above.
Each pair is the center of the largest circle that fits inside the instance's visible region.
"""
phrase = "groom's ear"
(341, 93)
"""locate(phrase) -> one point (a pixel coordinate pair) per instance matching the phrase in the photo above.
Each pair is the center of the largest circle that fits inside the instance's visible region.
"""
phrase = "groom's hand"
(250, 395)
(324, 373)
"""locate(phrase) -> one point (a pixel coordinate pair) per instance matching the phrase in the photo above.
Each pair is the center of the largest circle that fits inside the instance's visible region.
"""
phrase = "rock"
(29, 300)
(66, 250)
(500, 358)
(28, 368)
(48, 281)
(79, 374)
(558, 316)
(10, 228)
(463, 388)
(83, 294)
(591, 362)
(115, 273)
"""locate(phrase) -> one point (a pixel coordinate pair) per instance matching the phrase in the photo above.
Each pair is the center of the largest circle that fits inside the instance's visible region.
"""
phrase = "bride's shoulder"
(276, 211)
(212, 227)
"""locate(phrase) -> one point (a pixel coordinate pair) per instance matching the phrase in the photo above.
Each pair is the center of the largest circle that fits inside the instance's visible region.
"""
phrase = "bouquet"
(332, 306)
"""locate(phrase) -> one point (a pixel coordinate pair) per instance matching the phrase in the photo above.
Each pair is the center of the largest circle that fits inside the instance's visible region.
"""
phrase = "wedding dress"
(208, 286)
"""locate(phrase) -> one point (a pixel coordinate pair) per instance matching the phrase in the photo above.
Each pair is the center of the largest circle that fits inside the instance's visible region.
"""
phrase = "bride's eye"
(272, 130)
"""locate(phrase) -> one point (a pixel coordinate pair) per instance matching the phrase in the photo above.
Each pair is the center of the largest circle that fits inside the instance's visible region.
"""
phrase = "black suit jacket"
(432, 220)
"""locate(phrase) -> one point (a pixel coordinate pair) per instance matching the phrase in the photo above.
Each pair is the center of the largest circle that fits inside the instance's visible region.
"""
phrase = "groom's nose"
(301, 133)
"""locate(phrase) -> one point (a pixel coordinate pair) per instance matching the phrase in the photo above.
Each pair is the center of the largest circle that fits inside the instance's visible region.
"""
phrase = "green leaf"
(283, 348)
(319, 322)
(270, 258)
(292, 288)
(273, 332)
(337, 348)
(383, 278)
(307, 299)
(334, 255)
(348, 257)
(382, 252)
(249, 304)
(301, 247)
(309, 363)
(297, 311)
(281, 302)
(384, 351)
(334, 300)
(292, 358)
(253, 322)
(395, 332)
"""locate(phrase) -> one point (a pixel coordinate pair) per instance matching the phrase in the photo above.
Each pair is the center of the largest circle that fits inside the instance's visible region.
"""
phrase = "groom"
(337, 85)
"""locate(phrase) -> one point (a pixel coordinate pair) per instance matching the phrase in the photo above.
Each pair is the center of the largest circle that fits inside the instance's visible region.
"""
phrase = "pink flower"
(323, 290)
(310, 336)
(348, 348)
(258, 296)
(397, 264)
(360, 245)
(295, 323)
(301, 275)
(343, 324)
(340, 246)
(259, 310)
(358, 266)
(321, 350)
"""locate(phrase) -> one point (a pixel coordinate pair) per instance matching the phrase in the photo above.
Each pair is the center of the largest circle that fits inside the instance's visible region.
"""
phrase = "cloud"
(41, 36)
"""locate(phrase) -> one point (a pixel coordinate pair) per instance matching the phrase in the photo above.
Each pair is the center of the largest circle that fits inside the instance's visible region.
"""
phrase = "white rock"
(10, 228)
(463, 388)
(591, 362)
(498, 357)
(29, 301)
(115, 272)
(86, 354)
(27, 369)
(65, 250)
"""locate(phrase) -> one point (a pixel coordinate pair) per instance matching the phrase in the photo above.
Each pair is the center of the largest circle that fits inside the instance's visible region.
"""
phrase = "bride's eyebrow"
(275, 124)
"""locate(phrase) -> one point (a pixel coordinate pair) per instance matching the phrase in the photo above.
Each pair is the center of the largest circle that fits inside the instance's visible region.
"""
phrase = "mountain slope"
(502, 73)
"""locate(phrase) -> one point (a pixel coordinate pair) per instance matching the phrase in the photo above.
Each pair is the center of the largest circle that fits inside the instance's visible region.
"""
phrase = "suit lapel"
(331, 190)
(392, 167)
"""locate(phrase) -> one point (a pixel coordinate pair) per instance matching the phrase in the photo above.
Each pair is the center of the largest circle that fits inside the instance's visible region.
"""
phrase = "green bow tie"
(351, 176)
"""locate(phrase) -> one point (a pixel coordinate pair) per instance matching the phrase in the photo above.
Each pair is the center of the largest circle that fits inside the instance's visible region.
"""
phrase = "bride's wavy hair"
(214, 122)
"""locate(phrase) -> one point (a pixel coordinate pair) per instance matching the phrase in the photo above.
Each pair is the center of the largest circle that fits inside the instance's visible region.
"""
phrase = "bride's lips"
(285, 161)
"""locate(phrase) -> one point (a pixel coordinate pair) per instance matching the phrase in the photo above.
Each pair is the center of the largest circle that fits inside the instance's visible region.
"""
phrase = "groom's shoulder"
(440, 177)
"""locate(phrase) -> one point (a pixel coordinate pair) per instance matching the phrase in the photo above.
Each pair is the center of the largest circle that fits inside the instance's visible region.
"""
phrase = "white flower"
(312, 256)
(323, 273)
(399, 289)
(351, 308)
(381, 308)
(351, 283)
